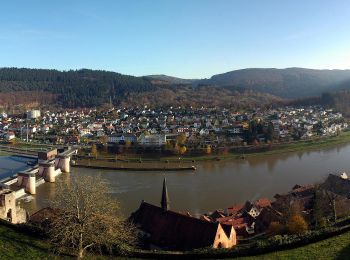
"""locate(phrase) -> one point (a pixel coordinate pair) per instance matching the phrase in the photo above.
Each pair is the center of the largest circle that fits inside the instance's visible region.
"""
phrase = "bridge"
(49, 165)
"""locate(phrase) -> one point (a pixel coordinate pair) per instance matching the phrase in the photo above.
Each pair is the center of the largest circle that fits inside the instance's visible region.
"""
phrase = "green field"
(333, 248)
(15, 245)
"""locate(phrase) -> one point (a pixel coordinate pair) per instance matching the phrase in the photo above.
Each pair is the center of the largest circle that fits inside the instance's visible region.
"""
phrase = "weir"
(50, 165)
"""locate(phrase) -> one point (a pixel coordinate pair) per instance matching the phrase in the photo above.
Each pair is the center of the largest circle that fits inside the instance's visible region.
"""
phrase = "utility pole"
(27, 127)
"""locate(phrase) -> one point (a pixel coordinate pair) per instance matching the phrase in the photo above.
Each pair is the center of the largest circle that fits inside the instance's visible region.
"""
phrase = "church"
(170, 230)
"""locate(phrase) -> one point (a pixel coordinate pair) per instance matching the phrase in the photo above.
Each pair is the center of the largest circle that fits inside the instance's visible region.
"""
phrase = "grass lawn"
(333, 248)
(14, 245)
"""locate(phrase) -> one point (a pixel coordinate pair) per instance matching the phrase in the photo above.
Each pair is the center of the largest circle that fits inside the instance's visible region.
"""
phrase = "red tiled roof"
(235, 208)
(236, 222)
(263, 202)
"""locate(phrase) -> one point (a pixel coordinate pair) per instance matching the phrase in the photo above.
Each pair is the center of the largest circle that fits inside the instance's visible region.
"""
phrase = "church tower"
(165, 203)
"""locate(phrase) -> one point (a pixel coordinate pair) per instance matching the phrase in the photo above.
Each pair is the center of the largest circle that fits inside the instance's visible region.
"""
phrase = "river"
(10, 165)
(214, 185)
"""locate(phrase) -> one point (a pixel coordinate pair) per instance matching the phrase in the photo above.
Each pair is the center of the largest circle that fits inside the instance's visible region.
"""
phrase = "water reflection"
(215, 184)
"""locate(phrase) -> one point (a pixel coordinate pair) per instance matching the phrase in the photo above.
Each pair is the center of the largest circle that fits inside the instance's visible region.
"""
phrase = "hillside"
(16, 245)
(90, 88)
(337, 247)
(74, 88)
(164, 79)
(208, 96)
(285, 83)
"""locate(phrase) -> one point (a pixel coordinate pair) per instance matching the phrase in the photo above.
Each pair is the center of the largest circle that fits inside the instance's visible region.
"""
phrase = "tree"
(332, 197)
(208, 149)
(297, 225)
(94, 152)
(318, 212)
(181, 139)
(128, 144)
(270, 132)
(103, 139)
(88, 218)
(180, 149)
(275, 228)
(169, 147)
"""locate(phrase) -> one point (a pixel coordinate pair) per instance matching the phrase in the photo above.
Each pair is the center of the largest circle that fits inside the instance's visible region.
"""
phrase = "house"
(172, 230)
(9, 136)
(267, 215)
(338, 184)
(204, 131)
(301, 196)
(33, 114)
(243, 217)
(152, 140)
(121, 138)
(9, 210)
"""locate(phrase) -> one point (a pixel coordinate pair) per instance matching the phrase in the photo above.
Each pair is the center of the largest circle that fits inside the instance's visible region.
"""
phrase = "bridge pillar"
(27, 181)
(47, 171)
(63, 162)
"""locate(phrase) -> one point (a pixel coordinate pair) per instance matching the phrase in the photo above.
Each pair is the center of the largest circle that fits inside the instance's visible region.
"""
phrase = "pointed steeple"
(165, 198)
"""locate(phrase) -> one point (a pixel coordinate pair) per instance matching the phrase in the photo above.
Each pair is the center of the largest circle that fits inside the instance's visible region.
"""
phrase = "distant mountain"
(286, 83)
(164, 79)
(207, 96)
(90, 88)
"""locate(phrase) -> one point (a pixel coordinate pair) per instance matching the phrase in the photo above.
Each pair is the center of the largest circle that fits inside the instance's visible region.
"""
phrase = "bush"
(297, 225)
(275, 228)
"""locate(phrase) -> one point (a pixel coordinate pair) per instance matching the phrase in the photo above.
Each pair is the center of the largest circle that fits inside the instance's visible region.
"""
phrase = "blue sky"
(184, 38)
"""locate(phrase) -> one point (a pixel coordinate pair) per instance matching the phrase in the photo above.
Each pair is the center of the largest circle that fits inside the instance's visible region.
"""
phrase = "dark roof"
(173, 230)
(298, 192)
(337, 185)
(165, 197)
(217, 214)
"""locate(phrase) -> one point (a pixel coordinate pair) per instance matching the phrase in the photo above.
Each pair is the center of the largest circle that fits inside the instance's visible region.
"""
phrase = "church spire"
(165, 198)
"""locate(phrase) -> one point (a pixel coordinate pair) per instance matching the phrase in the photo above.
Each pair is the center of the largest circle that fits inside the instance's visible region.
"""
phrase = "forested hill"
(286, 83)
(90, 88)
(166, 80)
(74, 88)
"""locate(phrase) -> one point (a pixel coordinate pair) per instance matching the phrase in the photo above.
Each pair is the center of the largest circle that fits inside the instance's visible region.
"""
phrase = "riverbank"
(106, 165)
(303, 146)
(243, 152)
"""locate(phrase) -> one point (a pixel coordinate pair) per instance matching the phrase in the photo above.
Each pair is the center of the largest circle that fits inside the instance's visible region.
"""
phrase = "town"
(172, 130)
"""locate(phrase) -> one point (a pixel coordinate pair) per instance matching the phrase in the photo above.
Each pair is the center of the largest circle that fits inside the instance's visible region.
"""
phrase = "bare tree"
(88, 218)
(332, 197)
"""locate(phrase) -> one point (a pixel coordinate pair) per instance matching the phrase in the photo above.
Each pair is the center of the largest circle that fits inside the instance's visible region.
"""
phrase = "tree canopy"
(88, 218)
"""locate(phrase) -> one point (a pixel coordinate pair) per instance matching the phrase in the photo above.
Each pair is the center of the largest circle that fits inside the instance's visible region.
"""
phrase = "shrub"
(275, 228)
(297, 225)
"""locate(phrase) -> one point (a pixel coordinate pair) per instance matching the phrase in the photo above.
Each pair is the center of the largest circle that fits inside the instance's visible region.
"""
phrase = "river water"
(10, 165)
(214, 185)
